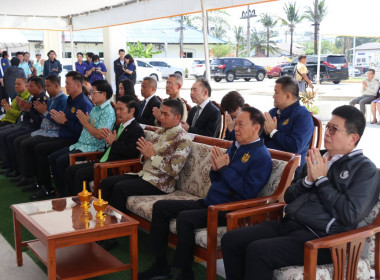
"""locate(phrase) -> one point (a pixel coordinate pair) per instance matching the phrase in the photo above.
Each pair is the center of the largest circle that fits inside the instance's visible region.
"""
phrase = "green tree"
(293, 17)
(239, 38)
(269, 22)
(316, 14)
(260, 44)
(137, 50)
(221, 50)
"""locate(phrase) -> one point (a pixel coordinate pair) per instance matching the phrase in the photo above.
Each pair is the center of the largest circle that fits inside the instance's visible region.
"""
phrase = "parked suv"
(234, 68)
(166, 69)
(333, 67)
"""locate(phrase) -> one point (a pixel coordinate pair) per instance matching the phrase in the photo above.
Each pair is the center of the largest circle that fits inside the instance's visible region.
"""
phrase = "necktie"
(107, 153)
(142, 107)
(196, 116)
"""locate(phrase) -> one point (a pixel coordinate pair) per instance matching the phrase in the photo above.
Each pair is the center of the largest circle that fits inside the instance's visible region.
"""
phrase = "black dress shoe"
(5, 171)
(42, 193)
(33, 188)
(16, 179)
(156, 272)
(12, 174)
(25, 182)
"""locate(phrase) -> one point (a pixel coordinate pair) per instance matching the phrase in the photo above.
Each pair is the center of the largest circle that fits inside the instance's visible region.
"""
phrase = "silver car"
(166, 69)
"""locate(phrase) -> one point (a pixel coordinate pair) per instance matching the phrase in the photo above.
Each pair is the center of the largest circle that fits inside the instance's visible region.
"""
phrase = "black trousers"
(190, 215)
(76, 174)
(117, 189)
(254, 252)
(22, 159)
(6, 141)
(42, 152)
(4, 123)
(59, 161)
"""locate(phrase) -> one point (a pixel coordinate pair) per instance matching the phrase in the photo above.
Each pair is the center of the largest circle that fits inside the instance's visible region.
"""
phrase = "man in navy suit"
(203, 119)
(148, 90)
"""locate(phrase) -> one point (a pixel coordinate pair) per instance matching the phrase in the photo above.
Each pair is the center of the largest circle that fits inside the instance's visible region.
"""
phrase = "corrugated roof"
(369, 46)
(154, 31)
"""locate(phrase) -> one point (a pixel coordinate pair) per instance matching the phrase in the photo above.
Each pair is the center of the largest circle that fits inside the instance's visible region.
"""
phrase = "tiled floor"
(9, 269)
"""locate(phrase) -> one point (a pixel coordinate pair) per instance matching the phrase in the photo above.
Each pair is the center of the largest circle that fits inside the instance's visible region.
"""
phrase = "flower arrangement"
(309, 98)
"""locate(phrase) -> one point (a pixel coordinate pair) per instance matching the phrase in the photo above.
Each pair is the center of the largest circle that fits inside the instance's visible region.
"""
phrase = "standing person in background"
(96, 70)
(118, 65)
(301, 74)
(38, 65)
(89, 57)
(231, 104)
(52, 66)
(10, 75)
(129, 68)
(80, 65)
(4, 64)
(23, 64)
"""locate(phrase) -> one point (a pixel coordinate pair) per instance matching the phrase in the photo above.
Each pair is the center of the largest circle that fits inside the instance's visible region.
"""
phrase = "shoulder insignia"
(344, 174)
(73, 110)
(3, 63)
(245, 158)
(286, 122)
(44, 97)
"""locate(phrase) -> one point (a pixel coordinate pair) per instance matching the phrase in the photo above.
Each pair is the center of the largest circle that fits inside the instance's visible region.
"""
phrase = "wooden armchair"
(346, 248)
(223, 124)
(316, 139)
(91, 156)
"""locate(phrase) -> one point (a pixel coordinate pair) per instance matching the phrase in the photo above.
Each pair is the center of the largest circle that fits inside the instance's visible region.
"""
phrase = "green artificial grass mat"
(12, 194)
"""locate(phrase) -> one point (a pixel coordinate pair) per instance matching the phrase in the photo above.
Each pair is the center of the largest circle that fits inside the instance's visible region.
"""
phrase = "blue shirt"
(295, 129)
(102, 116)
(25, 66)
(50, 65)
(4, 64)
(72, 128)
(81, 68)
(248, 172)
(49, 128)
(97, 75)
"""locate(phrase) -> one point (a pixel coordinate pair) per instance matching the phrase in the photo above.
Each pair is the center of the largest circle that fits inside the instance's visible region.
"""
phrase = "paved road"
(259, 94)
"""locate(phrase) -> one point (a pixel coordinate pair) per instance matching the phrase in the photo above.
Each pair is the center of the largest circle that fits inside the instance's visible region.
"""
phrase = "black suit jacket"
(147, 116)
(118, 68)
(208, 123)
(125, 146)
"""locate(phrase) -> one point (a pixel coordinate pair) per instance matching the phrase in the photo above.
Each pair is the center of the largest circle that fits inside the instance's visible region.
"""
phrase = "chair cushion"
(143, 205)
(278, 167)
(324, 272)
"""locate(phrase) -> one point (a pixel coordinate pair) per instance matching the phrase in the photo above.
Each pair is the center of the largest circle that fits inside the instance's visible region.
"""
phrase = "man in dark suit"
(203, 119)
(122, 144)
(118, 68)
(148, 90)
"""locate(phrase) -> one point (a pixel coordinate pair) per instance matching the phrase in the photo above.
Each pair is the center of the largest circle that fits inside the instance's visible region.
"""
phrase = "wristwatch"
(320, 177)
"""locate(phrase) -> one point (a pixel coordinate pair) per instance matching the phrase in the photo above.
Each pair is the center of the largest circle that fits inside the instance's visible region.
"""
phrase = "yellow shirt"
(301, 69)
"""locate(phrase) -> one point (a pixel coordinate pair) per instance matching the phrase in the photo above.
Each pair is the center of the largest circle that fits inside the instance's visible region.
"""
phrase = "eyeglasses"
(332, 129)
(94, 91)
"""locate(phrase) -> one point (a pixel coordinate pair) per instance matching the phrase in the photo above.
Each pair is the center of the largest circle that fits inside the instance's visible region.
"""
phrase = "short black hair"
(15, 61)
(80, 53)
(121, 50)
(90, 54)
(26, 53)
(103, 86)
(53, 79)
(4, 53)
(129, 87)
(51, 51)
(232, 101)
(256, 116)
(38, 81)
(302, 56)
(128, 56)
(19, 53)
(23, 78)
(95, 57)
(372, 70)
(76, 76)
(289, 85)
(205, 84)
(152, 81)
(354, 120)
(175, 106)
(131, 102)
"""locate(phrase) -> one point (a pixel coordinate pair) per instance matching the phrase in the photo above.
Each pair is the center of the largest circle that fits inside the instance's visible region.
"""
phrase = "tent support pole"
(72, 42)
(205, 41)
(319, 59)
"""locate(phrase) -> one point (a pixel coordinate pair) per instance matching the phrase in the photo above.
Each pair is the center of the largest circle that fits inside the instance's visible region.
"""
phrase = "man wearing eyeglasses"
(335, 190)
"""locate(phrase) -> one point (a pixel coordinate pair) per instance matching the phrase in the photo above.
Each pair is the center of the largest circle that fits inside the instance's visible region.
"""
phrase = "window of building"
(188, 54)
(101, 54)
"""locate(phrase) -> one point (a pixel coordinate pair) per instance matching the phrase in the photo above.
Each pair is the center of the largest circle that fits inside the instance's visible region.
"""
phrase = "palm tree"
(260, 44)
(269, 22)
(293, 17)
(316, 14)
(238, 32)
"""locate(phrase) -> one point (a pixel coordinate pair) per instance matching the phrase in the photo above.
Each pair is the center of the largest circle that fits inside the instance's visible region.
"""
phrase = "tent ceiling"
(52, 15)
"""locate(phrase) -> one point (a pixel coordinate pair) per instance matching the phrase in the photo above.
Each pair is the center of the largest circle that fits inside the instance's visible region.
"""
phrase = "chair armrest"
(250, 216)
(91, 156)
(101, 170)
(345, 248)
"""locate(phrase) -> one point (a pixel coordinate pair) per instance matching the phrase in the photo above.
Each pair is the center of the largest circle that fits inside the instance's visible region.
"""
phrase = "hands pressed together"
(317, 165)
(270, 123)
(218, 158)
(145, 147)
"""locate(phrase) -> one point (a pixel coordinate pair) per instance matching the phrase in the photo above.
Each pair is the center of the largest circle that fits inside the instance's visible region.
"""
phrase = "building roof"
(284, 48)
(369, 46)
(154, 31)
